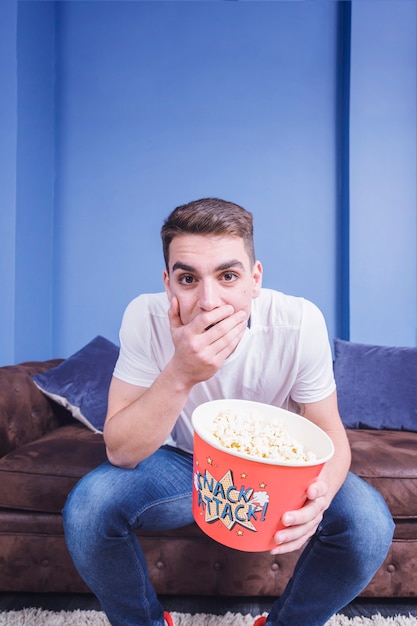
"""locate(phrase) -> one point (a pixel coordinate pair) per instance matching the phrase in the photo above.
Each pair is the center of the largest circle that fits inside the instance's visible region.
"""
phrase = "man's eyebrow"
(178, 265)
(182, 266)
(228, 264)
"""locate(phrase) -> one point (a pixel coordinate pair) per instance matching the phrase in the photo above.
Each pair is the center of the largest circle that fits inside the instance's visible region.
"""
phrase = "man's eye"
(229, 276)
(186, 279)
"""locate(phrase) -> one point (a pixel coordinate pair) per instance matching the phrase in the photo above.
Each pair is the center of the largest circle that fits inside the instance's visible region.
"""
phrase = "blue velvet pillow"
(376, 386)
(81, 382)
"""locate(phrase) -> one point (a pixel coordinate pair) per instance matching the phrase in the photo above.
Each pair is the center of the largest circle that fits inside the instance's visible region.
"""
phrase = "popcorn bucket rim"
(258, 406)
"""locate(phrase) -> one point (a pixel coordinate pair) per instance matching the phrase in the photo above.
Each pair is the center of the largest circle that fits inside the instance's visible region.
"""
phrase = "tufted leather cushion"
(25, 413)
(39, 475)
(387, 460)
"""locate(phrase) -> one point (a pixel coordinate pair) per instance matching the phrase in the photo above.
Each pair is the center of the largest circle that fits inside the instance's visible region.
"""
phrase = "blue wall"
(119, 111)
(383, 169)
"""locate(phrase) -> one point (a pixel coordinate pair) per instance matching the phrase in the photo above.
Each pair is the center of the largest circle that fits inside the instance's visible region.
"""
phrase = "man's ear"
(257, 278)
(167, 286)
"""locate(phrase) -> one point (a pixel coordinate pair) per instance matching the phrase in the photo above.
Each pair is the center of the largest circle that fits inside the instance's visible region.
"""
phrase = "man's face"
(207, 271)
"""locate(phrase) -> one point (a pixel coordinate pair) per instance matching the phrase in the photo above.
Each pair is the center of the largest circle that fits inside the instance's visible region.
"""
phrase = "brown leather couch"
(44, 451)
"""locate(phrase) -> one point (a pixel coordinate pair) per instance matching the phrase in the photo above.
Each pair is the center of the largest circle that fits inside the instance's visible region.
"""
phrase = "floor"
(365, 607)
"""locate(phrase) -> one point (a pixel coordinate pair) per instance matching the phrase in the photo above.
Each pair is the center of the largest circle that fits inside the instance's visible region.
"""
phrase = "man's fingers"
(209, 320)
(174, 313)
(225, 324)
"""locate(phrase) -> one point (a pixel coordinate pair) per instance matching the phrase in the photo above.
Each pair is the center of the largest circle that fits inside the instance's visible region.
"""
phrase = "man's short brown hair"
(209, 216)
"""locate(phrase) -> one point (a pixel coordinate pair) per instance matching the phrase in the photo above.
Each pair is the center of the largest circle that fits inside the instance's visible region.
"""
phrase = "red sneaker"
(260, 621)
(168, 619)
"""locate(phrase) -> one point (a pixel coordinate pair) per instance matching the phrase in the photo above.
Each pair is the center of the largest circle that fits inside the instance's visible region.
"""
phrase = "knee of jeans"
(381, 526)
(371, 529)
(359, 519)
(85, 512)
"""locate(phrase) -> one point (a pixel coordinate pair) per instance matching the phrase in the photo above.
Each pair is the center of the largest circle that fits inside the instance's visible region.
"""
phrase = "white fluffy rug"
(39, 617)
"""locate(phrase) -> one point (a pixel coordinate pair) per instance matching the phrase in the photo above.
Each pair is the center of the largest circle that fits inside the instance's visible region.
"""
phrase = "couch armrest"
(25, 412)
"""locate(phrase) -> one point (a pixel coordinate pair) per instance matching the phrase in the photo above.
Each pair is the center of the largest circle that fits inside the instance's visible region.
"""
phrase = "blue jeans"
(109, 504)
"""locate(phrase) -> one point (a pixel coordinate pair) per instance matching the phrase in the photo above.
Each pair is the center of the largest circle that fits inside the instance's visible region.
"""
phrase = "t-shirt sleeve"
(136, 364)
(315, 378)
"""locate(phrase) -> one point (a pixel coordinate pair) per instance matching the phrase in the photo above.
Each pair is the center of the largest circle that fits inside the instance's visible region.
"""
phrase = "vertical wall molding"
(8, 151)
(343, 173)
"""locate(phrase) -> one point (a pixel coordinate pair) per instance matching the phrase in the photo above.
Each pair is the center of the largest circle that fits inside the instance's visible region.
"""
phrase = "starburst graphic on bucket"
(229, 503)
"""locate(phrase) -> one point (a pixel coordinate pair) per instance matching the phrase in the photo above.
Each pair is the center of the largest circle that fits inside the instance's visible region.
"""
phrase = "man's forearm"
(336, 469)
(141, 427)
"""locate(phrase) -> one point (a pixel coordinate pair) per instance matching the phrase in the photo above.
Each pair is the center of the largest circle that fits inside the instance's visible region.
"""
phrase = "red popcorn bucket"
(238, 498)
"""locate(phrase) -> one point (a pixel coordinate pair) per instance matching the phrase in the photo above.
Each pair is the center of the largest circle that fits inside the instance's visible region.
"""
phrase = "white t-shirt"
(284, 352)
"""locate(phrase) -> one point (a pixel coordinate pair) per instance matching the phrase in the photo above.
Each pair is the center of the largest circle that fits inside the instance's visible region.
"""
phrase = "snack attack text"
(229, 503)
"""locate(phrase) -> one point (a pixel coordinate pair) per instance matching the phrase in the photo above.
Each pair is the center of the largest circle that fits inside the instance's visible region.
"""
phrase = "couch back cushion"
(39, 475)
(25, 412)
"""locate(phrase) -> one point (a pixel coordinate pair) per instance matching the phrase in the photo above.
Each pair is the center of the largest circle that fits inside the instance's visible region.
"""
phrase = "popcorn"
(250, 434)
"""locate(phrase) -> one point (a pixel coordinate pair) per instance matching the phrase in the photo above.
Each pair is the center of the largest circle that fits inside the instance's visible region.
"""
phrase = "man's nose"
(208, 296)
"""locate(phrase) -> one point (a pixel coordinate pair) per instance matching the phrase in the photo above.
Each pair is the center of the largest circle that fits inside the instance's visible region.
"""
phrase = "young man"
(215, 333)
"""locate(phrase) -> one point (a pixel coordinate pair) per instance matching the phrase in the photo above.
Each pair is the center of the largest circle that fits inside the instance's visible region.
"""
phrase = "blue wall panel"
(162, 103)
(383, 168)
